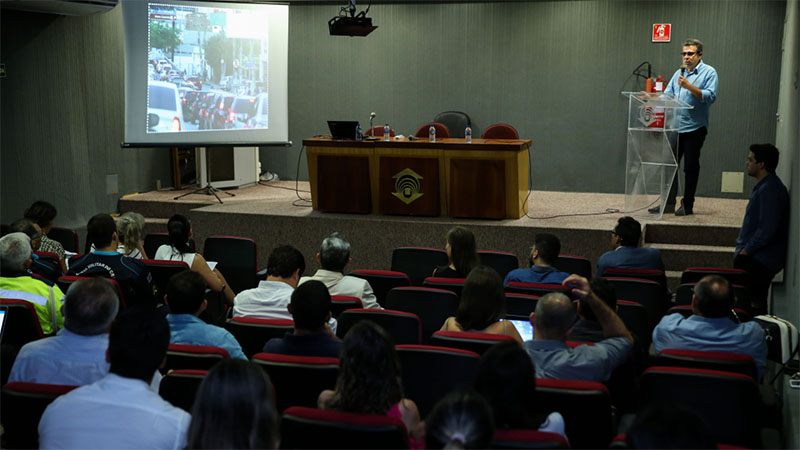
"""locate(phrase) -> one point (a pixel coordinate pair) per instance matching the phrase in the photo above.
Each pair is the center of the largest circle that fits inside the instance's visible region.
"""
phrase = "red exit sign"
(661, 32)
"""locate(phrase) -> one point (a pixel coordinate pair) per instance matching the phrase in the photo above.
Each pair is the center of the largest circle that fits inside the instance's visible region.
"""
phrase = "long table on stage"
(484, 179)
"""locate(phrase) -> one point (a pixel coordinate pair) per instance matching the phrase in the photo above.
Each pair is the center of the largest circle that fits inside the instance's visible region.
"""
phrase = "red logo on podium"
(661, 32)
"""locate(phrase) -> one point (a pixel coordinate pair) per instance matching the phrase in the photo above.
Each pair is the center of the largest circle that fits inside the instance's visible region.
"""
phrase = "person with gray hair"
(77, 354)
(552, 322)
(334, 257)
(17, 283)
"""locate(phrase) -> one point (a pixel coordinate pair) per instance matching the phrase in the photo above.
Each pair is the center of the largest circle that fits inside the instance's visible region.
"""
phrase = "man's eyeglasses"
(688, 53)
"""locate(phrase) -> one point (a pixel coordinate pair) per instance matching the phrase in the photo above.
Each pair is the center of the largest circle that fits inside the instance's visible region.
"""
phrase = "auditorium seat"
(162, 271)
(520, 305)
(467, 340)
(47, 266)
(684, 293)
(722, 361)
(737, 315)
(455, 285)
(179, 387)
(694, 274)
(154, 240)
(432, 306)
(500, 131)
(21, 324)
(198, 357)
(298, 380)
(23, 406)
(405, 328)
(574, 264)
(382, 281)
(510, 438)
(418, 262)
(67, 237)
(430, 372)
(646, 274)
(634, 316)
(502, 262)
(586, 407)
(252, 333)
(65, 281)
(456, 123)
(536, 289)
(237, 260)
(648, 293)
(442, 132)
(340, 303)
(302, 427)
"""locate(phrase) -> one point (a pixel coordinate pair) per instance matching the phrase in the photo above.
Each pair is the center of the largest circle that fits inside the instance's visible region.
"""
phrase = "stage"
(276, 213)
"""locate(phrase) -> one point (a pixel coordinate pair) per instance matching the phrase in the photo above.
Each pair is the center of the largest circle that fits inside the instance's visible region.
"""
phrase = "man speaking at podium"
(696, 84)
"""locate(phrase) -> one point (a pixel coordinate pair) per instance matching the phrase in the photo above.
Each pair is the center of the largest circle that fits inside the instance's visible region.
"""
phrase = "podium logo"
(407, 186)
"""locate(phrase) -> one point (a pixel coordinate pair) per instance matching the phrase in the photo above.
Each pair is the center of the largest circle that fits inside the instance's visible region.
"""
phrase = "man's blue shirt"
(630, 258)
(536, 274)
(765, 228)
(704, 77)
(188, 329)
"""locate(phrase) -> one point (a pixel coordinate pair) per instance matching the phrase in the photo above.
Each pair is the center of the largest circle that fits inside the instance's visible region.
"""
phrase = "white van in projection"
(163, 107)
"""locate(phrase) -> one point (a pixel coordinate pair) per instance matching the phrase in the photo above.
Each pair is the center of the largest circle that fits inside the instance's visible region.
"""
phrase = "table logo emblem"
(407, 186)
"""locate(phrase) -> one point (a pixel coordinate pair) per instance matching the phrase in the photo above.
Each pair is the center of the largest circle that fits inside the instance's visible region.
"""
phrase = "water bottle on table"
(468, 135)
(359, 136)
(432, 134)
(386, 132)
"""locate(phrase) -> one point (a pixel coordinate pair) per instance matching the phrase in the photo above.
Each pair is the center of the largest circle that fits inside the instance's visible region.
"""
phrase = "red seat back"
(298, 380)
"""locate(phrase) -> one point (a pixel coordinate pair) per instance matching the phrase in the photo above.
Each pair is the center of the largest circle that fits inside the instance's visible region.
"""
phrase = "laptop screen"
(3, 311)
(343, 129)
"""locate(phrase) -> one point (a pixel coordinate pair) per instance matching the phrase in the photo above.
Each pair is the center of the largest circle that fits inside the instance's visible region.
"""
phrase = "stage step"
(157, 209)
(695, 234)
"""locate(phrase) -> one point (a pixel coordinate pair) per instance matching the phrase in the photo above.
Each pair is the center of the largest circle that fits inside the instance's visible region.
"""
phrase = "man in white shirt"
(334, 257)
(269, 300)
(120, 410)
(77, 354)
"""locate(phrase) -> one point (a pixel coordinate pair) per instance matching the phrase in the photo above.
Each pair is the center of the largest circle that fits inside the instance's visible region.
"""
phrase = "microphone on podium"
(371, 117)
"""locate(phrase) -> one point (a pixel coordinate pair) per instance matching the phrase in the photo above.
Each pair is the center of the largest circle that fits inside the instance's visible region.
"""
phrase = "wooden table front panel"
(343, 184)
(409, 186)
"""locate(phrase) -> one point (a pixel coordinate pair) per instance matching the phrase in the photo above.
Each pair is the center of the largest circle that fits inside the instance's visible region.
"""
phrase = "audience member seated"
(77, 354)
(186, 300)
(544, 253)
(709, 328)
(132, 275)
(552, 320)
(311, 310)
(482, 306)
(43, 214)
(269, 300)
(461, 419)
(369, 380)
(180, 230)
(334, 257)
(669, 425)
(507, 380)
(16, 282)
(627, 254)
(130, 228)
(45, 268)
(120, 410)
(587, 328)
(234, 408)
(462, 256)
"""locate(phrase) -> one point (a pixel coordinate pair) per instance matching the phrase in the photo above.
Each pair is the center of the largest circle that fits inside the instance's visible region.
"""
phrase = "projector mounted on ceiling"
(352, 25)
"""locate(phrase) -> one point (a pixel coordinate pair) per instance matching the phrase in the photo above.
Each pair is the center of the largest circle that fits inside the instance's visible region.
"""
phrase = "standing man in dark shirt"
(132, 275)
(764, 237)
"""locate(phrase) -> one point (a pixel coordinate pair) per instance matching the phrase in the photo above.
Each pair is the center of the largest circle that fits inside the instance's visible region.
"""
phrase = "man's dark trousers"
(688, 144)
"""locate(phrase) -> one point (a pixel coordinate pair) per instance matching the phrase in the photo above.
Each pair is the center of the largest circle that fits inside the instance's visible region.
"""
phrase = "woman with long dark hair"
(234, 408)
(369, 379)
(482, 306)
(180, 230)
(461, 254)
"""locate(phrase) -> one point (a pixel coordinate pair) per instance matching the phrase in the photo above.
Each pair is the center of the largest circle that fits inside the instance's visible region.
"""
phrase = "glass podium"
(651, 163)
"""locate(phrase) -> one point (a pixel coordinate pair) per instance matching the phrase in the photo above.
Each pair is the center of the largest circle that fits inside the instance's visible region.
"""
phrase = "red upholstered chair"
(252, 333)
(509, 438)
(500, 131)
(154, 240)
(722, 361)
(645, 274)
(198, 357)
(728, 402)
(683, 295)
(302, 427)
(502, 262)
(441, 130)
(67, 237)
(456, 285)
(23, 406)
(646, 292)
(162, 271)
(382, 281)
(738, 315)
(298, 380)
(694, 274)
(21, 324)
(65, 281)
(574, 264)
(378, 131)
(634, 315)
(237, 259)
(432, 306)
(404, 327)
(430, 372)
(466, 340)
(341, 303)
(47, 266)
(417, 262)
(537, 289)
(585, 406)
(179, 387)
(520, 305)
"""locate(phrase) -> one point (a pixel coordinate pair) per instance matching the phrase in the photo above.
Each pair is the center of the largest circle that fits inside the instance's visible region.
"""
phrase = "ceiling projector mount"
(352, 25)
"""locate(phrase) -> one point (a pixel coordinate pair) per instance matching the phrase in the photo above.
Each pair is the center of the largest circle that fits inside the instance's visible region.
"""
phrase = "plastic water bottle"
(386, 132)
(468, 135)
(359, 136)
(432, 134)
